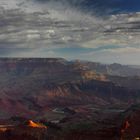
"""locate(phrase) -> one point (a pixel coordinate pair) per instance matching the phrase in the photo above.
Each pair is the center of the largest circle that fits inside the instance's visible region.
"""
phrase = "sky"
(106, 31)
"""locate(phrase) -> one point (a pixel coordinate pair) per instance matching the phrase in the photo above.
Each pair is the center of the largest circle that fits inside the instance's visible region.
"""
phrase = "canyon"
(85, 99)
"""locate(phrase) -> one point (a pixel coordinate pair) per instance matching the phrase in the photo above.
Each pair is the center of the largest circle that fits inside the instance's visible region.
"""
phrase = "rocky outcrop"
(131, 123)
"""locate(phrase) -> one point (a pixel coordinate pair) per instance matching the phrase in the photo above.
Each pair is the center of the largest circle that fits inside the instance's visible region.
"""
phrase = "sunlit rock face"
(36, 125)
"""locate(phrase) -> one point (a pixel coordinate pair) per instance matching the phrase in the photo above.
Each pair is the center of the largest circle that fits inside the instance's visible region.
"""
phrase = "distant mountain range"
(113, 69)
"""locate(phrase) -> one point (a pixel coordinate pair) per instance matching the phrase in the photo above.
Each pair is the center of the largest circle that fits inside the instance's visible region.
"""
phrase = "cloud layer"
(56, 29)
